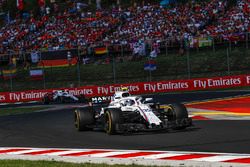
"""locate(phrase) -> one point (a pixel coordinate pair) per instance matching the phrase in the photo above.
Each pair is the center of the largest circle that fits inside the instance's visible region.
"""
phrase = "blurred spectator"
(34, 57)
(69, 58)
(130, 26)
(47, 9)
(85, 60)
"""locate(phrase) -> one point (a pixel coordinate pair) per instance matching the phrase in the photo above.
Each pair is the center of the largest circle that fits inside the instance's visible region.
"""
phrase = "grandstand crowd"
(148, 22)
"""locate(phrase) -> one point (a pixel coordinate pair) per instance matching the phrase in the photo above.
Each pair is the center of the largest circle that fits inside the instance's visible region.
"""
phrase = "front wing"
(167, 125)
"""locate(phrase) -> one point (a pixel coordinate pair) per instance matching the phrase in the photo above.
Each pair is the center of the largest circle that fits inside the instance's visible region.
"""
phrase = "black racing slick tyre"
(113, 117)
(62, 99)
(82, 99)
(45, 100)
(84, 118)
(178, 113)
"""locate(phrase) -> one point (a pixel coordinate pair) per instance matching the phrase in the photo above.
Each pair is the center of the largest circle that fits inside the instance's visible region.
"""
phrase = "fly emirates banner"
(135, 88)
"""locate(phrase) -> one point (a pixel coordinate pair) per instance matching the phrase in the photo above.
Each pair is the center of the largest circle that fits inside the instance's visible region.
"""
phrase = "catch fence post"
(11, 83)
(230, 46)
(113, 67)
(11, 72)
(188, 63)
(247, 40)
(213, 45)
(228, 63)
(150, 76)
(166, 45)
(122, 51)
(44, 77)
(78, 67)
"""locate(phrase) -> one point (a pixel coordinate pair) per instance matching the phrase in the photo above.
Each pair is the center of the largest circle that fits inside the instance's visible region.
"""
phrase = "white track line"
(100, 155)
(24, 152)
(220, 158)
(162, 155)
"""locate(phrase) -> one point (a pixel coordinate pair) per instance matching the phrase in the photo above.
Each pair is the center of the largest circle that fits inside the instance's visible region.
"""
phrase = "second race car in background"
(61, 96)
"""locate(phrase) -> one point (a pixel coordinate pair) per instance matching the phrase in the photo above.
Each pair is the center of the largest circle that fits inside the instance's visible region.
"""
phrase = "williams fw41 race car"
(61, 96)
(126, 113)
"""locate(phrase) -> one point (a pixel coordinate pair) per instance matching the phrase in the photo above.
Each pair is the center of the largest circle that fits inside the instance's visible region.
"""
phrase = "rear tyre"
(60, 100)
(82, 99)
(84, 119)
(113, 117)
(45, 100)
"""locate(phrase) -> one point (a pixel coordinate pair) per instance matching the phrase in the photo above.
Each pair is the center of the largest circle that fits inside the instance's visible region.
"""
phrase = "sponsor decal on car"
(101, 99)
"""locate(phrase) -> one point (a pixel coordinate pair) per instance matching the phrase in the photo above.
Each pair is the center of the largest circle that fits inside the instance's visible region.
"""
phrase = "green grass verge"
(20, 110)
(23, 163)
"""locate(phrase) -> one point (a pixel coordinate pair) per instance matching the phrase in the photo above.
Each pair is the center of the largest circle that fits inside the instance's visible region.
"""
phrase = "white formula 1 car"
(61, 96)
(126, 113)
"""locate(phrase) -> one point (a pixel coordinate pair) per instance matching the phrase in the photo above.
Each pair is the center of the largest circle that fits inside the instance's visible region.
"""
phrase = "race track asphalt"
(55, 129)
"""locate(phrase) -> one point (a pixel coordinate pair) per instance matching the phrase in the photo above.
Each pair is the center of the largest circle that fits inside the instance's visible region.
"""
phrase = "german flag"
(57, 63)
(7, 74)
(101, 50)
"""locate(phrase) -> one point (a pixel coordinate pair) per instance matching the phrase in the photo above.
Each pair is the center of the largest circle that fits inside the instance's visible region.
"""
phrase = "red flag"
(41, 3)
(19, 4)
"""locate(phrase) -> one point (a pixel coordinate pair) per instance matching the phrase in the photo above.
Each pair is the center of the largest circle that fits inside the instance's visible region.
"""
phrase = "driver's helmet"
(130, 102)
(125, 89)
(125, 94)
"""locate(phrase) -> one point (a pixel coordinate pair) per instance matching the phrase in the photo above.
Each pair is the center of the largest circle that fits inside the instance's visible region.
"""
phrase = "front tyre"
(84, 119)
(113, 117)
(178, 113)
